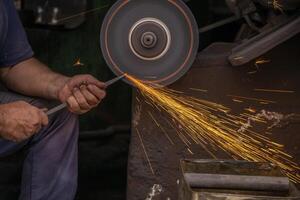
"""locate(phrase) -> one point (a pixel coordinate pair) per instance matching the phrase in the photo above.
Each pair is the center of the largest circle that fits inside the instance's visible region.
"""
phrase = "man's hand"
(20, 120)
(82, 93)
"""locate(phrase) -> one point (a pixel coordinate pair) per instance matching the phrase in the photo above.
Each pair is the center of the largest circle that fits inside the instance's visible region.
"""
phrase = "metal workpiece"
(231, 180)
(237, 182)
(155, 41)
(56, 109)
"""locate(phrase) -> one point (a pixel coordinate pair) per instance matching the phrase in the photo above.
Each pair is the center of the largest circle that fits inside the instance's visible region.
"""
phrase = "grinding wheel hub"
(149, 39)
(155, 41)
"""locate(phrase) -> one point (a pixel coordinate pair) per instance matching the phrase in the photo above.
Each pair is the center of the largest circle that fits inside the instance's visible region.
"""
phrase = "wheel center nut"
(148, 40)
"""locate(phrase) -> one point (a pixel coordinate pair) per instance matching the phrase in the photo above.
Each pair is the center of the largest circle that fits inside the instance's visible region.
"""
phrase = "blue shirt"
(14, 46)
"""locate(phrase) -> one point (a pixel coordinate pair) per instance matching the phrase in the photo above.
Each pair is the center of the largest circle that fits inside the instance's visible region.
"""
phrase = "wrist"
(55, 85)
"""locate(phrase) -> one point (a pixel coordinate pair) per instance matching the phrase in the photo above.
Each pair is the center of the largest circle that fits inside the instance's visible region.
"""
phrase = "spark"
(203, 126)
(264, 103)
(161, 128)
(190, 151)
(144, 149)
(238, 58)
(150, 114)
(272, 90)
(81, 13)
(251, 110)
(252, 72)
(251, 98)
(261, 61)
(277, 6)
(237, 100)
(167, 135)
(198, 90)
(78, 63)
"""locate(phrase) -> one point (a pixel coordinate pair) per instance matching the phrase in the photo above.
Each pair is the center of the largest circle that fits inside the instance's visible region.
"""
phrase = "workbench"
(220, 80)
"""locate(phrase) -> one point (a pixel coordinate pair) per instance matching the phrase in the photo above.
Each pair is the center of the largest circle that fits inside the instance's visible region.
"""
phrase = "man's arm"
(33, 78)
(24, 74)
(20, 120)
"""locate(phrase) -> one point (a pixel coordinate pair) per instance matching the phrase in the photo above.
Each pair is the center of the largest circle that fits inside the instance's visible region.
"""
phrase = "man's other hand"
(82, 93)
(20, 120)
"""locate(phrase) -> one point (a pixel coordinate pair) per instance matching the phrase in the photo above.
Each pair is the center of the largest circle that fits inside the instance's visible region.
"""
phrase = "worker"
(50, 166)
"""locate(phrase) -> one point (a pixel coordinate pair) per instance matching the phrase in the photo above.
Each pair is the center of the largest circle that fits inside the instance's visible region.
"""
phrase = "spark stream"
(210, 125)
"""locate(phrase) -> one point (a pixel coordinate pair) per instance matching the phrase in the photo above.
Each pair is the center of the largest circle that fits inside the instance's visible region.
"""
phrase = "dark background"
(102, 159)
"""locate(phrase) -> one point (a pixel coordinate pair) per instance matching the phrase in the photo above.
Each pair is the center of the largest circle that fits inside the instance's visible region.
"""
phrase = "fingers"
(38, 120)
(85, 98)
(99, 93)
(82, 93)
(91, 99)
(23, 121)
(74, 106)
(81, 100)
(16, 137)
(44, 118)
(76, 81)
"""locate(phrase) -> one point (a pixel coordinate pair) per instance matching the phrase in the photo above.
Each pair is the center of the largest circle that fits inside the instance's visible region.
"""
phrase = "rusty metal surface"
(282, 72)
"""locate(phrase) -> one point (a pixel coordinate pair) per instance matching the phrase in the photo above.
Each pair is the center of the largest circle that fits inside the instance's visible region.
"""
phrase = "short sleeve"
(15, 45)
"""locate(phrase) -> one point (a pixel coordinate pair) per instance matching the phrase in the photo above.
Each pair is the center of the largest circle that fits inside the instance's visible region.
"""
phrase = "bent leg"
(50, 166)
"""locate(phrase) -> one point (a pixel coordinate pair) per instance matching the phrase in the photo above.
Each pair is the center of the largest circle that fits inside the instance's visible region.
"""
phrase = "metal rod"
(64, 105)
(238, 182)
(56, 109)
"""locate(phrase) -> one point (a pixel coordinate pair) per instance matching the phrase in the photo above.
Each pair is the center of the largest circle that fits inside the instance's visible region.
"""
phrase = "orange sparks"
(207, 124)
(260, 62)
(198, 90)
(277, 6)
(264, 103)
(251, 110)
(272, 90)
(236, 100)
(144, 149)
(251, 98)
(190, 151)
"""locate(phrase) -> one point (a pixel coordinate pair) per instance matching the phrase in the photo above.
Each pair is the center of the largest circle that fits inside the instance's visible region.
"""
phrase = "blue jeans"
(50, 167)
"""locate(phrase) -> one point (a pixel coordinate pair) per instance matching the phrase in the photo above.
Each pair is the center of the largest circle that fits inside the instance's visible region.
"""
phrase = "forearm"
(33, 78)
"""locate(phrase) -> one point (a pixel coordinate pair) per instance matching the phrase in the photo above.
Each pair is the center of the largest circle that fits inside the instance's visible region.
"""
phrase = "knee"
(66, 116)
(63, 125)
(67, 121)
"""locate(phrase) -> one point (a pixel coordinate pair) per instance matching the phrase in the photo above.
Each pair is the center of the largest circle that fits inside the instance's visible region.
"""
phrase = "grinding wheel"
(155, 41)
